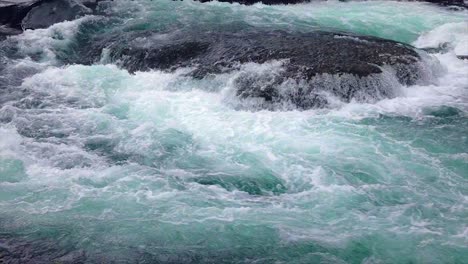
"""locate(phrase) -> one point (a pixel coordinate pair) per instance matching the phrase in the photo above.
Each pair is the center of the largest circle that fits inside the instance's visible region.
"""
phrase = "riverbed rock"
(307, 54)
(351, 67)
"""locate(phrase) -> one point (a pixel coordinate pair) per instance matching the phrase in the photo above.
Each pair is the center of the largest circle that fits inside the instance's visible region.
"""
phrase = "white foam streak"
(453, 35)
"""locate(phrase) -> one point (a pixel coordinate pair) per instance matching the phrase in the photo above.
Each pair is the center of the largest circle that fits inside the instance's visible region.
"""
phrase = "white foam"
(449, 89)
(48, 41)
(10, 140)
(455, 35)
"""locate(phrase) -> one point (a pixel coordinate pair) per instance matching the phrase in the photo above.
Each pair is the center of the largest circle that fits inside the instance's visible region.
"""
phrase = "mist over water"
(101, 165)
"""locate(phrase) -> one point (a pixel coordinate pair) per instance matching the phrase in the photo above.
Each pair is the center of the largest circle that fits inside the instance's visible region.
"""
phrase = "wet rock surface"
(307, 54)
(347, 66)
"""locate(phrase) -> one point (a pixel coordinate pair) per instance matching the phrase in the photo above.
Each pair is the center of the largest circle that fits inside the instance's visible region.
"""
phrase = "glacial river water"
(100, 165)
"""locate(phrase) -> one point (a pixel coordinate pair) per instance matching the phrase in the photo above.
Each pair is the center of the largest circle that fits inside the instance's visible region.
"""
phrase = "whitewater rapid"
(98, 164)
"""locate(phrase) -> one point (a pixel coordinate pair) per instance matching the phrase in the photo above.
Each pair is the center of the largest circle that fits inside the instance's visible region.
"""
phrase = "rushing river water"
(100, 165)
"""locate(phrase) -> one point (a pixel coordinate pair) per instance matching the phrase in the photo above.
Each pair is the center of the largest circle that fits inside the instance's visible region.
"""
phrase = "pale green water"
(159, 167)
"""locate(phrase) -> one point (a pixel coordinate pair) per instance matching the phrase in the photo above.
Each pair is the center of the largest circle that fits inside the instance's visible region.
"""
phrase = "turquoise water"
(392, 20)
(100, 165)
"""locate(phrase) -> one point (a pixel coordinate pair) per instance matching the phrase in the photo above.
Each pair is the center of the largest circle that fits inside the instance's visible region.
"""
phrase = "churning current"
(187, 132)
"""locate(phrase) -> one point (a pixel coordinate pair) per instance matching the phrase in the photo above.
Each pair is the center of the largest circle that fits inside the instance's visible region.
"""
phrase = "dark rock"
(462, 57)
(24, 14)
(51, 12)
(91, 4)
(12, 12)
(308, 54)
(345, 65)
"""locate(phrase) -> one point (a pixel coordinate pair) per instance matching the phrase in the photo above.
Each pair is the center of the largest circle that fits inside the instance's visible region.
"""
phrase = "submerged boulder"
(308, 54)
(311, 65)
